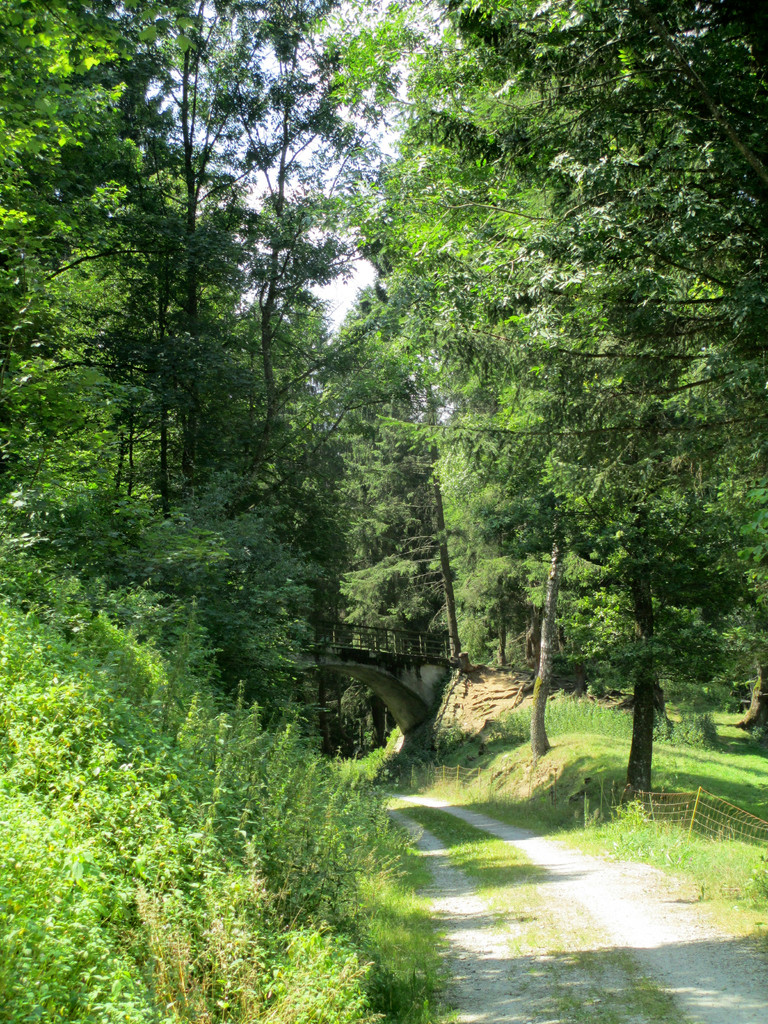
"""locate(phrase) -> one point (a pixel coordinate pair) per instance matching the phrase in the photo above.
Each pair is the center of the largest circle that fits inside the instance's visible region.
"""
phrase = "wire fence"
(697, 812)
(705, 814)
(430, 774)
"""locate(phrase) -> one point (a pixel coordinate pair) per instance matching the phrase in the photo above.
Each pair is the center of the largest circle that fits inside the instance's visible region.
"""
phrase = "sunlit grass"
(574, 789)
(408, 974)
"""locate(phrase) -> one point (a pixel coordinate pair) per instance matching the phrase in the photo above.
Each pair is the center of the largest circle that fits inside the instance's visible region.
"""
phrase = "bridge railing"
(379, 638)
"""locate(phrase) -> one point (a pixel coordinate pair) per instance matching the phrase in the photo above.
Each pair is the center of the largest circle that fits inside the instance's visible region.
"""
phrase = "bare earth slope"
(472, 700)
(641, 935)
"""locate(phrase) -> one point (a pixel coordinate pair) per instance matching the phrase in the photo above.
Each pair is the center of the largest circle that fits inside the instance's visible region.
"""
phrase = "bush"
(758, 883)
(512, 727)
(695, 730)
(633, 834)
(161, 860)
(449, 739)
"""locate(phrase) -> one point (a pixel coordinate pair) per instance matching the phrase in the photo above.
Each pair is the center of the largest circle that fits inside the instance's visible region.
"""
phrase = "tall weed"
(161, 860)
(565, 715)
(569, 715)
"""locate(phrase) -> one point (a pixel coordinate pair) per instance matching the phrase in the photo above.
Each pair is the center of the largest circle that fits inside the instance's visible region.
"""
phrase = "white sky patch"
(341, 294)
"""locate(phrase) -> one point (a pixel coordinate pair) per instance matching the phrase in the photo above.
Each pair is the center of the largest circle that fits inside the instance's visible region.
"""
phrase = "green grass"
(576, 786)
(591, 742)
(553, 957)
(407, 975)
(493, 864)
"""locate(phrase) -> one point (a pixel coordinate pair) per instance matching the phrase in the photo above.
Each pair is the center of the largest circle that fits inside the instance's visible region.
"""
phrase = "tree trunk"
(268, 302)
(188, 447)
(533, 637)
(131, 446)
(120, 462)
(502, 656)
(445, 568)
(539, 740)
(659, 700)
(163, 299)
(322, 714)
(194, 169)
(165, 496)
(757, 715)
(580, 671)
(379, 716)
(641, 751)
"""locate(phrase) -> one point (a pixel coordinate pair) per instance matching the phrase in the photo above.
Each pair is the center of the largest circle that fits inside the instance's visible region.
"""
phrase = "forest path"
(608, 942)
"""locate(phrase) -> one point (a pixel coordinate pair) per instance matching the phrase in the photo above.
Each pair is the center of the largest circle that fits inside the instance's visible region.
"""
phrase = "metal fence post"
(695, 808)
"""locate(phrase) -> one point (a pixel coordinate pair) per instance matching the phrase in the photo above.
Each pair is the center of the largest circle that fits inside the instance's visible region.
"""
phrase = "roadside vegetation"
(165, 859)
(539, 433)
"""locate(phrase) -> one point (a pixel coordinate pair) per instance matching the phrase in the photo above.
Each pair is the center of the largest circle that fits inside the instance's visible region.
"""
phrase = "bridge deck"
(377, 638)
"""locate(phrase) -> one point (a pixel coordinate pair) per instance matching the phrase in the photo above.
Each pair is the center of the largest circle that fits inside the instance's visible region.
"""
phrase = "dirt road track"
(713, 978)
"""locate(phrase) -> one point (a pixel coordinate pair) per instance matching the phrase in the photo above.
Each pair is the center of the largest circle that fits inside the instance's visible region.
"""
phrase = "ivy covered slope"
(161, 860)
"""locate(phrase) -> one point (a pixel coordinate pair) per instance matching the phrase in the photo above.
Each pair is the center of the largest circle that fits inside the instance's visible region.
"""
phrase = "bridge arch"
(404, 669)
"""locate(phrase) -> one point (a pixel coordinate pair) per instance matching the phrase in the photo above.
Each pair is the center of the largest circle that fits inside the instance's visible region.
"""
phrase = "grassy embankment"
(163, 858)
(573, 792)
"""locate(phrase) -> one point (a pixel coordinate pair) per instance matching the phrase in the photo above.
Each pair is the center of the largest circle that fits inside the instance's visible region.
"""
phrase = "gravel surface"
(641, 933)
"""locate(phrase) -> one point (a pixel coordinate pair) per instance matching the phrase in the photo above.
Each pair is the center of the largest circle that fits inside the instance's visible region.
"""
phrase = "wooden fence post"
(695, 808)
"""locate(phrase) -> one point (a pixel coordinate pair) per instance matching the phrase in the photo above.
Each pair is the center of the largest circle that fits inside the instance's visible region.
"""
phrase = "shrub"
(161, 860)
(449, 739)
(695, 730)
(758, 883)
(633, 834)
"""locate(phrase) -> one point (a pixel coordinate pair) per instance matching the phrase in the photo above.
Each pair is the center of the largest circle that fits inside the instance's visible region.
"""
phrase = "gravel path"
(642, 937)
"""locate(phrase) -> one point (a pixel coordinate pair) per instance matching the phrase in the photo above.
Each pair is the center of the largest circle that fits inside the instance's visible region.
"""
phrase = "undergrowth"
(165, 860)
(695, 729)
(725, 870)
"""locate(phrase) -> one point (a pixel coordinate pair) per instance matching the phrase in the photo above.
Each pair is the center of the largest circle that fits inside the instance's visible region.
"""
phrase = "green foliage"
(448, 740)
(364, 771)
(159, 856)
(759, 880)
(571, 236)
(72, 551)
(408, 972)
(393, 579)
(634, 836)
(692, 729)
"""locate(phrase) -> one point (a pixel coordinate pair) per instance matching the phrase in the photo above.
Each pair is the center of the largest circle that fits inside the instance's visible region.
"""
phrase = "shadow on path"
(662, 961)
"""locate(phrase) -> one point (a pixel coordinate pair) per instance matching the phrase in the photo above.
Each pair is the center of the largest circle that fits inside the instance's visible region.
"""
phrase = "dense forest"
(540, 432)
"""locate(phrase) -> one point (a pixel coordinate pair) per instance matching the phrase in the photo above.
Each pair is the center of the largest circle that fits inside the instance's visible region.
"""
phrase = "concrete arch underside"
(408, 690)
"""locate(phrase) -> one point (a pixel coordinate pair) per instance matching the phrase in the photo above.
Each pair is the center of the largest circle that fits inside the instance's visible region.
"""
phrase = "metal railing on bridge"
(380, 638)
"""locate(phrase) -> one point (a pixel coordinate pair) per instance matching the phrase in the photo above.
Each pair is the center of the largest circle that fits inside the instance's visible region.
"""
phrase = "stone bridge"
(402, 668)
